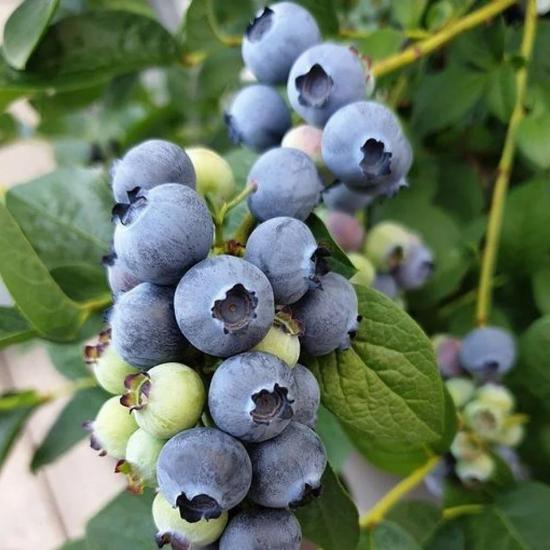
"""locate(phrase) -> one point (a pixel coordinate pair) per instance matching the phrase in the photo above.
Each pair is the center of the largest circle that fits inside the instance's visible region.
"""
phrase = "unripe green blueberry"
(461, 390)
(307, 139)
(174, 530)
(484, 419)
(140, 464)
(479, 469)
(511, 435)
(282, 344)
(387, 245)
(495, 395)
(465, 447)
(112, 429)
(110, 370)
(214, 173)
(166, 400)
(365, 270)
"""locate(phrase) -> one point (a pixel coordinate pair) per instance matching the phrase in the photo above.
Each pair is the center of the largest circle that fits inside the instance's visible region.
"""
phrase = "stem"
(427, 46)
(391, 498)
(243, 231)
(462, 510)
(504, 168)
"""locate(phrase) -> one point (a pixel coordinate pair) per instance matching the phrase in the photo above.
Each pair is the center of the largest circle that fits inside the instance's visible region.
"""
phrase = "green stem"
(494, 225)
(427, 46)
(462, 510)
(391, 498)
(245, 227)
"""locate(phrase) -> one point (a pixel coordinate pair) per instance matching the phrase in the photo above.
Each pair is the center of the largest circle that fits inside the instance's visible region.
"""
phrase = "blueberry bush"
(277, 235)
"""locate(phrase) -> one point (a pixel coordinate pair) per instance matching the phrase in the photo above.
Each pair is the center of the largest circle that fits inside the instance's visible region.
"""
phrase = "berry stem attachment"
(494, 225)
(392, 497)
(429, 45)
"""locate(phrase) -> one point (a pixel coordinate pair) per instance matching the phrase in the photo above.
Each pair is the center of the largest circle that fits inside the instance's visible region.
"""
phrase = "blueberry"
(328, 314)
(286, 251)
(252, 396)
(144, 329)
(264, 529)
(140, 462)
(387, 245)
(365, 270)
(214, 174)
(323, 79)
(204, 472)
(282, 342)
(342, 198)
(447, 355)
(435, 480)
(307, 139)
(476, 470)
(364, 146)
(497, 396)
(163, 232)
(257, 117)
(485, 419)
(346, 230)
(308, 396)
(416, 268)
(287, 470)
(288, 184)
(120, 278)
(275, 38)
(112, 429)
(224, 305)
(385, 283)
(167, 399)
(181, 534)
(149, 164)
(488, 352)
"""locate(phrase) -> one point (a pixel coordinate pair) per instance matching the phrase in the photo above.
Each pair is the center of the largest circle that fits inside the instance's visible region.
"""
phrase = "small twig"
(462, 510)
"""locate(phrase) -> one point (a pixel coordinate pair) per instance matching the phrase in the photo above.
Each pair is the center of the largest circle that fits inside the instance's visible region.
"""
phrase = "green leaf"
(533, 363)
(78, 544)
(13, 327)
(83, 50)
(337, 443)
(420, 519)
(29, 283)
(13, 418)
(386, 386)
(525, 239)
(126, 522)
(501, 91)
(325, 14)
(517, 520)
(65, 215)
(338, 260)
(534, 139)
(331, 521)
(434, 111)
(408, 13)
(540, 281)
(24, 29)
(67, 429)
(449, 536)
(387, 536)
(82, 282)
(68, 359)
(381, 43)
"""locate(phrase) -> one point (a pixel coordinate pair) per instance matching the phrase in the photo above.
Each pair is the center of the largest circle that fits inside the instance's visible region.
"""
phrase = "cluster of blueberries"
(490, 428)
(230, 443)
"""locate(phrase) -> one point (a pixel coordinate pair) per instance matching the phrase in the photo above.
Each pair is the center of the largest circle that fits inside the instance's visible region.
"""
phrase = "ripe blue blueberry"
(163, 232)
(385, 283)
(275, 38)
(204, 472)
(287, 470)
(120, 278)
(416, 269)
(151, 163)
(323, 79)
(328, 315)
(252, 396)
(286, 251)
(364, 146)
(342, 198)
(346, 230)
(287, 184)
(308, 396)
(488, 352)
(143, 327)
(224, 305)
(261, 528)
(257, 117)
(446, 352)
